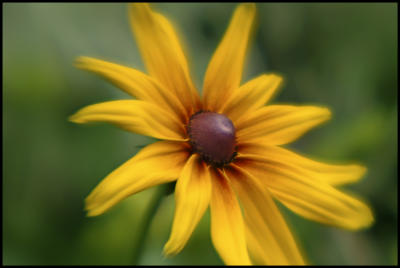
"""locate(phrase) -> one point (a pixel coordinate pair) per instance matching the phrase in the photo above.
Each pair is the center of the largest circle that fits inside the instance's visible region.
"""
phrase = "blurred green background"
(343, 56)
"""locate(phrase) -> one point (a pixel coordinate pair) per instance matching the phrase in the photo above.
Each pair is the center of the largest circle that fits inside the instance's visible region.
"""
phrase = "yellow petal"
(269, 238)
(251, 96)
(227, 227)
(135, 116)
(310, 198)
(158, 163)
(162, 53)
(279, 124)
(225, 69)
(135, 83)
(192, 197)
(331, 174)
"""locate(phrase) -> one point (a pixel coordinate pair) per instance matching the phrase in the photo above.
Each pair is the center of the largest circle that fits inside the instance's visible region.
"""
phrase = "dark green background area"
(342, 56)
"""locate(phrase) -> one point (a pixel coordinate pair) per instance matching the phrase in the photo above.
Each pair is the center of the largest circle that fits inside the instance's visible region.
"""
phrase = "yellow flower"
(221, 148)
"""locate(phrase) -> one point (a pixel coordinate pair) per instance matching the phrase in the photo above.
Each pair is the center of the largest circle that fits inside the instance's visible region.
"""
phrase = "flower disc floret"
(212, 135)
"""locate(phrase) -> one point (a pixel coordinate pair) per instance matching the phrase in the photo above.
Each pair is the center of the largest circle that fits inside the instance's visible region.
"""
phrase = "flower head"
(221, 148)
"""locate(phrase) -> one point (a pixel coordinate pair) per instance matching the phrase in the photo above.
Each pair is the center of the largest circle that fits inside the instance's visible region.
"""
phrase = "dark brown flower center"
(212, 135)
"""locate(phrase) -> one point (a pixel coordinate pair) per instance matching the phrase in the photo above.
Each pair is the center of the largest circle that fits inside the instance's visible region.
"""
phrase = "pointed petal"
(135, 83)
(251, 96)
(279, 124)
(310, 198)
(158, 163)
(162, 53)
(227, 227)
(269, 238)
(133, 115)
(225, 69)
(331, 174)
(192, 197)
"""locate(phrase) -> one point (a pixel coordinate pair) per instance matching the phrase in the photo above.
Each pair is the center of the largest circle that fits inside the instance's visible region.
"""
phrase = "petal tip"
(81, 62)
(251, 7)
(363, 220)
(276, 76)
(367, 219)
(77, 118)
(326, 112)
(90, 214)
(74, 119)
(91, 210)
(136, 5)
(362, 170)
(169, 250)
(136, 9)
(276, 79)
(323, 114)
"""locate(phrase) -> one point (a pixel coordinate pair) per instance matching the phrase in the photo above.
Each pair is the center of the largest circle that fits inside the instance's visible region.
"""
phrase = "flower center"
(212, 135)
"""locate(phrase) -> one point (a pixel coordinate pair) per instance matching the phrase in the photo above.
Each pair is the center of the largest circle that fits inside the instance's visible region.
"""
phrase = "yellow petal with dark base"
(225, 69)
(162, 53)
(136, 84)
(158, 163)
(251, 96)
(136, 116)
(331, 174)
(192, 197)
(310, 198)
(279, 124)
(269, 238)
(227, 227)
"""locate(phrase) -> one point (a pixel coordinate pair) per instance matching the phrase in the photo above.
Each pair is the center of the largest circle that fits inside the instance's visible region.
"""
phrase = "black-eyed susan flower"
(221, 149)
